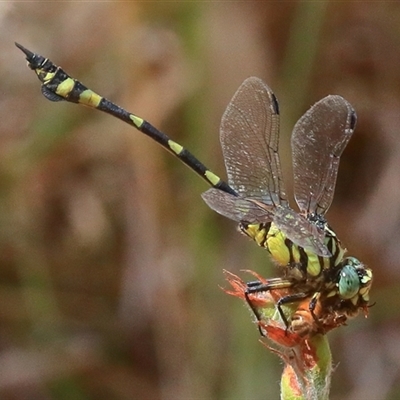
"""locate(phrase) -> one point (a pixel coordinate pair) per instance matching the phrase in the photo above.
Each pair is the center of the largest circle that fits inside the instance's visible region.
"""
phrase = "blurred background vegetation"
(110, 262)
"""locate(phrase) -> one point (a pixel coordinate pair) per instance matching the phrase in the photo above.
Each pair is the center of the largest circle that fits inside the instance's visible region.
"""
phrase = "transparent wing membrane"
(237, 208)
(318, 140)
(249, 139)
(301, 231)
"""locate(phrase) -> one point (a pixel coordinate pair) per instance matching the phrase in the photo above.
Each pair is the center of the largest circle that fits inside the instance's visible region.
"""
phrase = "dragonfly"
(311, 258)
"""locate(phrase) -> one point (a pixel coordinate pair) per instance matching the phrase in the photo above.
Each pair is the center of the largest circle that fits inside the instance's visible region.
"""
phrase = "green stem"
(307, 372)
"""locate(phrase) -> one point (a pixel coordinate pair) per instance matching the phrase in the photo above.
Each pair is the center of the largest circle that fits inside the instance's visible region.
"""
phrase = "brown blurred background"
(110, 262)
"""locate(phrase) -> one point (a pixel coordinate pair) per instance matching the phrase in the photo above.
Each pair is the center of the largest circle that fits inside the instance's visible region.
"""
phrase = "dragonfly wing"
(301, 231)
(249, 139)
(318, 140)
(236, 208)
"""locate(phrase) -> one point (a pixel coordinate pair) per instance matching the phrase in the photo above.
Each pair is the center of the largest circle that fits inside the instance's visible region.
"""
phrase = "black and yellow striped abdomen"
(304, 263)
(57, 85)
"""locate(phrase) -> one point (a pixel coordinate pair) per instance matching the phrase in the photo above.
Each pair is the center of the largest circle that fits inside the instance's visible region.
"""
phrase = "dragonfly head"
(354, 281)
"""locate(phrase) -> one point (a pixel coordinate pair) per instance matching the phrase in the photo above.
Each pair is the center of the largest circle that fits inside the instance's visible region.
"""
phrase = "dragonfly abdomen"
(57, 85)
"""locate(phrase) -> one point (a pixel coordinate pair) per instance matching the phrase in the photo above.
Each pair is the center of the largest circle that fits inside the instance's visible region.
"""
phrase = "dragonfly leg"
(291, 298)
(258, 287)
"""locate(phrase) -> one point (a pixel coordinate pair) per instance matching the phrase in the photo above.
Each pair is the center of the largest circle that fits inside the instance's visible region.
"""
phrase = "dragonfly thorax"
(300, 263)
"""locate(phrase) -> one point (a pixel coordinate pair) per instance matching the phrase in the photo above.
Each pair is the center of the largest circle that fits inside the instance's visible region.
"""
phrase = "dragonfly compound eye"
(349, 280)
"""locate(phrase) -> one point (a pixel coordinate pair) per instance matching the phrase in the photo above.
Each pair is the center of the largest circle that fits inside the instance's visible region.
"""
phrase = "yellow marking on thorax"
(255, 232)
(296, 253)
(314, 262)
(138, 122)
(90, 98)
(277, 247)
(214, 179)
(65, 87)
(281, 253)
(175, 147)
(313, 265)
(274, 240)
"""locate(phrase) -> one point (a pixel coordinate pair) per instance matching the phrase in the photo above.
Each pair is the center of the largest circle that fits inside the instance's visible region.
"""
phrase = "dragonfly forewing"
(250, 138)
